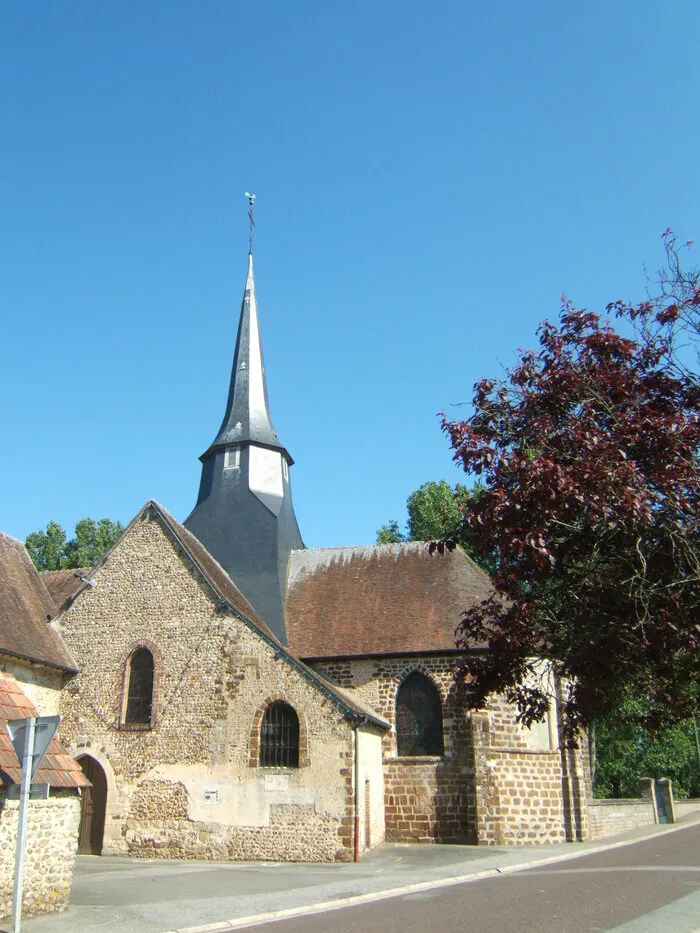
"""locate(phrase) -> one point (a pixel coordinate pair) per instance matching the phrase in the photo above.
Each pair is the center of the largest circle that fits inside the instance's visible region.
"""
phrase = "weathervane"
(251, 201)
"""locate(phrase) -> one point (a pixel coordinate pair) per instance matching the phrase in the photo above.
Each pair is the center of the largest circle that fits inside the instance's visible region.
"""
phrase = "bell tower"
(244, 514)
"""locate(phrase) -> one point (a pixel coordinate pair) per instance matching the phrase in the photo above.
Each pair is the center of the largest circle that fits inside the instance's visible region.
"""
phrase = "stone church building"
(240, 696)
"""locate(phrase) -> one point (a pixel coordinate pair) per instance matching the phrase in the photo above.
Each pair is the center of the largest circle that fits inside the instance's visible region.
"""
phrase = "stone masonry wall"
(609, 817)
(497, 782)
(190, 786)
(52, 838)
(529, 789)
(428, 798)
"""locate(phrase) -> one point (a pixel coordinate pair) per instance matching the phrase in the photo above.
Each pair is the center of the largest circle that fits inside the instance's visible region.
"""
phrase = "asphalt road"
(647, 887)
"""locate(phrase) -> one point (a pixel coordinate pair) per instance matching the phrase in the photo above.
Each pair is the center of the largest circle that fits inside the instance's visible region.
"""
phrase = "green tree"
(434, 513)
(50, 549)
(625, 752)
(46, 548)
(390, 533)
(92, 540)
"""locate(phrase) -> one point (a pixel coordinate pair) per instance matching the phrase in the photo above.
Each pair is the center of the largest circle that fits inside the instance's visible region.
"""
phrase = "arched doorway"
(93, 807)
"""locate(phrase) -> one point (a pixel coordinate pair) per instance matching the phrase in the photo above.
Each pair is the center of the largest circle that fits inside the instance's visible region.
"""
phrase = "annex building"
(240, 696)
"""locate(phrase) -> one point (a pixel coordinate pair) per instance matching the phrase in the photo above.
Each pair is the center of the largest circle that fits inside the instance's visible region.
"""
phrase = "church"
(239, 696)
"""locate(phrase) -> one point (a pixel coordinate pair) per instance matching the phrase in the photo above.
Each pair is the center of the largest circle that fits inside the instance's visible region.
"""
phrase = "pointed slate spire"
(247, 417)
(244, 514)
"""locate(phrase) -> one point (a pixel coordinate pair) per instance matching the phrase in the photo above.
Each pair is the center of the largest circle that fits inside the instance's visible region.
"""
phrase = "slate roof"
(391, 599)
(25, 610)
(57, 769)
(247, 416)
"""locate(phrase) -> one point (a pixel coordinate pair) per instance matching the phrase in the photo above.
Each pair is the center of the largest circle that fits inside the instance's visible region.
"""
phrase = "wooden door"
(93, 808)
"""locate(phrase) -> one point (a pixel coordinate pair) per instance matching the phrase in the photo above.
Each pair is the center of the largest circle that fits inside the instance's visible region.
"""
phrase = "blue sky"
(430, 179)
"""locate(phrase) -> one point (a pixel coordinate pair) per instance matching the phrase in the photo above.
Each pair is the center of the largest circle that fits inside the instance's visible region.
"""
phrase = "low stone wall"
(52, 841)
(689, 805)
(608, 817)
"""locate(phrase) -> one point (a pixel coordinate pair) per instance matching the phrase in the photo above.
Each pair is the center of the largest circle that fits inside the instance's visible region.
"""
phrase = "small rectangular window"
(232, 460)
(285, 468)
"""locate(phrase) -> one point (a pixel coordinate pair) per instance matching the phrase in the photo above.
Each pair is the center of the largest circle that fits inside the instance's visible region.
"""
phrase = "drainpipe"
(356, 848)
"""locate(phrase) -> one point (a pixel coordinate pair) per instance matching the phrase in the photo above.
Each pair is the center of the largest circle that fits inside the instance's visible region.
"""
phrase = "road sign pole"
(22, 823)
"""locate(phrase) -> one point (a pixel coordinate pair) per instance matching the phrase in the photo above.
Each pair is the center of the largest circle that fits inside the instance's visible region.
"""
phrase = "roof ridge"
(359, 547)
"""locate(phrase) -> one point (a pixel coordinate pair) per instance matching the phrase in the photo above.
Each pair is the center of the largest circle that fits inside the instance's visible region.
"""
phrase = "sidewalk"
(120, 895)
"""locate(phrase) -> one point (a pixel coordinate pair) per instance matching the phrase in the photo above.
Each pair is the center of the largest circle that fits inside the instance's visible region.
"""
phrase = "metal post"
(697, 740)
(22, 823)
(356, 821)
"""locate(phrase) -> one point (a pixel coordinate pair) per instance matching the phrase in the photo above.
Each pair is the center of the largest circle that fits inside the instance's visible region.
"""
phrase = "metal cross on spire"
(251, 202)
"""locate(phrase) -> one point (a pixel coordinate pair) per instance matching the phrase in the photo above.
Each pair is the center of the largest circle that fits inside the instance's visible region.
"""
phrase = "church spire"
(244, 514)
(247, 416)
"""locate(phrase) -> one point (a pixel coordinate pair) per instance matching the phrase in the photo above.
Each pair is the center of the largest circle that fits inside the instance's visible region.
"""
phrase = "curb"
(238, 923)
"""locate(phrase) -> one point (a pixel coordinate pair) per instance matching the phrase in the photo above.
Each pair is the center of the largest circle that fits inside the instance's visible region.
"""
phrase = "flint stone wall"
(52, 841)
(190, 786)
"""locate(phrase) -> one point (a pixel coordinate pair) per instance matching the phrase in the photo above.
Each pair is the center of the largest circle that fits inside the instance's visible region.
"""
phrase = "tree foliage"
(434, 512)
(626, 753)
(50, 549)
(587, 452)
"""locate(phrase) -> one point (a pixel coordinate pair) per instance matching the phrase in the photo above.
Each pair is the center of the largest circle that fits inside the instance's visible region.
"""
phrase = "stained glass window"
(418, 717)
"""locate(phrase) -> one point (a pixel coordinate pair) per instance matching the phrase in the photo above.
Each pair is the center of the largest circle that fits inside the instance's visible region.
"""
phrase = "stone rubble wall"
(190, 786)
(294, 834)
(52, 841)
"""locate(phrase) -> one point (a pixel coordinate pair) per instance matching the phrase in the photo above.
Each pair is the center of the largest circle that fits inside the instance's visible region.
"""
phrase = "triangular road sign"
(44, 730)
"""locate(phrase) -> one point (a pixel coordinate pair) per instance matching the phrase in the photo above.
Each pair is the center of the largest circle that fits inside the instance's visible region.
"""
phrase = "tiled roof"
(386, 599)
(25, 610)
(57, 769)
(62, 584)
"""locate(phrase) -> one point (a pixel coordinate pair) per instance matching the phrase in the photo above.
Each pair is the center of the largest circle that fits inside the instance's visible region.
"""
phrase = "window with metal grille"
(139, 698)
(279, 737)
(418, 717)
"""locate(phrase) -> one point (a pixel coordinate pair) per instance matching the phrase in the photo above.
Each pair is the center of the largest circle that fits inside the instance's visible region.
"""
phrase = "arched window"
(279, 737)
(418, 717)
(139, 690)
